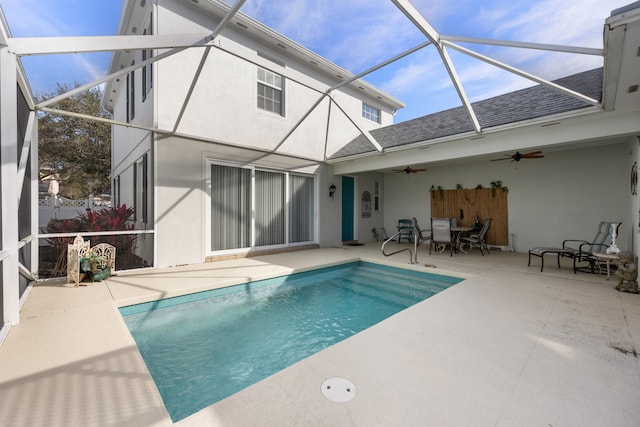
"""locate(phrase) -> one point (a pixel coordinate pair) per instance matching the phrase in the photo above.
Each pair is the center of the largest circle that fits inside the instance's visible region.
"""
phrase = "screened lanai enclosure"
(230, 137)
(18, 178)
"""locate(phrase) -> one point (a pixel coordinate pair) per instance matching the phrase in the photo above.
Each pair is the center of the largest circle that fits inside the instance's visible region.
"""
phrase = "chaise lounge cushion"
(541, 251)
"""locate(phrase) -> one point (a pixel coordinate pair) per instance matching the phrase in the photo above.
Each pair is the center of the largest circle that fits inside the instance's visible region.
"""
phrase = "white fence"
(61, 208)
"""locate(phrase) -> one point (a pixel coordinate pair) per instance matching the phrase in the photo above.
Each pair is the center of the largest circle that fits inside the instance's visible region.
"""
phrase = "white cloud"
(356, 34)
(573, 22)
(359, 34)
(42, 18)
(408, 78)
(379, 39)
(301, 21)
(91, 68)
(560, 22)
(34, 18)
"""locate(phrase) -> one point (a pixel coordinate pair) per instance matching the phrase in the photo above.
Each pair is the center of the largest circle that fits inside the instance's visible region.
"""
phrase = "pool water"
(204, 347)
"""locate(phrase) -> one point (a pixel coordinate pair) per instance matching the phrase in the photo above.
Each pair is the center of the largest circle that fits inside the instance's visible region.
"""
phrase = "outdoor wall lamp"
(332, 190)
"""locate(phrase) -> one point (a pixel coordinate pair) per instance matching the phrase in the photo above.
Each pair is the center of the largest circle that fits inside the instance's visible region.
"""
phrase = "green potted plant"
(90, 269)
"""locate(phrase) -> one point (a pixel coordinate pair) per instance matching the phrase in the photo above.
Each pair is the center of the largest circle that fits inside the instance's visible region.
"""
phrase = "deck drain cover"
(338, 389)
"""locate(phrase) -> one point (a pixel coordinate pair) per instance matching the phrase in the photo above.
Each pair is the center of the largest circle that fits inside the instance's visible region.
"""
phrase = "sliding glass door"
(257, 208)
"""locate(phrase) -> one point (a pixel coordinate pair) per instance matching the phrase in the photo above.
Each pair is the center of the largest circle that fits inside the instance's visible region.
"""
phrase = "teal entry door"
(348, 195)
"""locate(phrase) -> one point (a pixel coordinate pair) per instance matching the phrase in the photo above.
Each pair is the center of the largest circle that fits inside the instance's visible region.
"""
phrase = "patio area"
(508, 346)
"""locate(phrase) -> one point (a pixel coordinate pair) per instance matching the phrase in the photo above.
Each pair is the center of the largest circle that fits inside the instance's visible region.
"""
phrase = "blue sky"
(40, 18)
(358, 34)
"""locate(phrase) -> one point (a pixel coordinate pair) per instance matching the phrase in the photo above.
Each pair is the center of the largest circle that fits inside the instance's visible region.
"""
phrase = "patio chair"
(583, 251)
(441, 233)
(420, 235)
(405, 230)
(580, 250)
(107, 254)
(75, 251)
(479, 238)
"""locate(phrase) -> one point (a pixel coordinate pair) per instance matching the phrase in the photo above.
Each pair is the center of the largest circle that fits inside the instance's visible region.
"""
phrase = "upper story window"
(147, 70)
(116, 191)
(144, 75)
(140, 186)
(131, 94)
(370, 113)
(270, 91)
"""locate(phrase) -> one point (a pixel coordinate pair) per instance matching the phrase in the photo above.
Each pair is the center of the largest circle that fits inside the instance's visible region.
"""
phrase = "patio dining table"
(457, 233)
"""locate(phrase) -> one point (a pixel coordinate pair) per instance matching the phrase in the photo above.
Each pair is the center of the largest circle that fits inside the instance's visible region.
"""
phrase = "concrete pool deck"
(509, 346)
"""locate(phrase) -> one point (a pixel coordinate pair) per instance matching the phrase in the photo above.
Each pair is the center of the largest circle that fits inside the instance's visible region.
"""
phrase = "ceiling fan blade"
(519, 156)
(408, 170)
(530, 155)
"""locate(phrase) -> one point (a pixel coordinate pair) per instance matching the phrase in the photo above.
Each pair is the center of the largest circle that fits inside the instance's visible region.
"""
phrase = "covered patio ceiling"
(617, 69)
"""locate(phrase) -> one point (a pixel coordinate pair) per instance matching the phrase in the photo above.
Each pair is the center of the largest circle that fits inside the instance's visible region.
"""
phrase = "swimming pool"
(202, 348)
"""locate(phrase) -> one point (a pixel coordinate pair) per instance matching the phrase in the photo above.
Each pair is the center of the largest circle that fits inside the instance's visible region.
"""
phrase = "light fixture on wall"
(332, 190)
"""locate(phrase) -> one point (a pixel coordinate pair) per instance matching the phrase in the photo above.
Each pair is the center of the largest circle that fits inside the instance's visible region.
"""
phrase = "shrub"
(112, 219)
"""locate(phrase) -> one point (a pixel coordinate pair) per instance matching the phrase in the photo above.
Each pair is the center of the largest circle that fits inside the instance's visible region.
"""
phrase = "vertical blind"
(301, 209)
(230, 207)
(232, 192)
(270, 203)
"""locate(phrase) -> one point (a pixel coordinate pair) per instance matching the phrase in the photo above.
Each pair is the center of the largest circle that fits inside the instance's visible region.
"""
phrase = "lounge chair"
(580, 250)
(541, 251)
(479, 238)
(441, 233)
(583, 251)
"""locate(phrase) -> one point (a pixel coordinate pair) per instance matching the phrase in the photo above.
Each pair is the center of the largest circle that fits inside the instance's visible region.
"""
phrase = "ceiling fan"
(518, 155)
(408, 170)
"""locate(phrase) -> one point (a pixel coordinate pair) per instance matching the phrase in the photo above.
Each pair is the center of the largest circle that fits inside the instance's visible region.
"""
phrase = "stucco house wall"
(223, 103)
(180, 222)
(366, 182)
(222, 109)
(182, 197)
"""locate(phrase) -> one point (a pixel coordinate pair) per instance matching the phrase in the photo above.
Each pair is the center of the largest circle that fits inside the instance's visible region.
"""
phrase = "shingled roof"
(525, 104)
